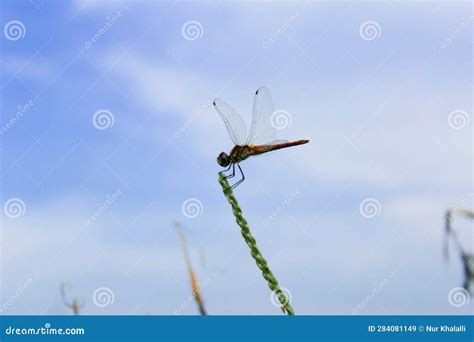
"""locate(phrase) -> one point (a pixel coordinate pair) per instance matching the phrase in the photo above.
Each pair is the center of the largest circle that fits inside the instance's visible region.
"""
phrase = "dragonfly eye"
(223, 159)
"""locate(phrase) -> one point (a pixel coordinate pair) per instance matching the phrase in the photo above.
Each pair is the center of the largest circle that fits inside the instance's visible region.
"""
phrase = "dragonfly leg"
(233, 172)
(241, 180)
(229, 175)
(224, 171)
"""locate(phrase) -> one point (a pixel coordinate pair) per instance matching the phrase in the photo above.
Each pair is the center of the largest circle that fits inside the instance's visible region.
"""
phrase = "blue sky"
(388, 112)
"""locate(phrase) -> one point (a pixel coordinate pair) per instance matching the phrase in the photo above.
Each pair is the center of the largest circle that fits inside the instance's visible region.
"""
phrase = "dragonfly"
(259, 139)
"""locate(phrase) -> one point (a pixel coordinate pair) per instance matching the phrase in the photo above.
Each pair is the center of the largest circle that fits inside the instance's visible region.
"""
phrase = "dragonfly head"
(223, 159)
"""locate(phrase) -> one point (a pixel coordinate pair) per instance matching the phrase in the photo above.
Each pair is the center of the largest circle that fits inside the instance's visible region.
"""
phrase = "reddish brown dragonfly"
(258, 140)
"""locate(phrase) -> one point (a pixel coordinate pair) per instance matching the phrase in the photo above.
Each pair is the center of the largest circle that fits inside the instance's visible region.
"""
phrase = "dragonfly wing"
(233, 121)
(261, 129)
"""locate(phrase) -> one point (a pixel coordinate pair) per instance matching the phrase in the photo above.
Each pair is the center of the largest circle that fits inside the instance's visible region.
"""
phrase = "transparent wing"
(233, 121)
(261, 130)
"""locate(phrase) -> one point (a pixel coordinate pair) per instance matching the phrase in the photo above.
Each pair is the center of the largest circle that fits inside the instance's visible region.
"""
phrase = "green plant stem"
(254, 251)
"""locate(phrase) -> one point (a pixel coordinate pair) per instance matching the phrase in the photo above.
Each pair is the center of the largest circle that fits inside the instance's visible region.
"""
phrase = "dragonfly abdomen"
(267, 148)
